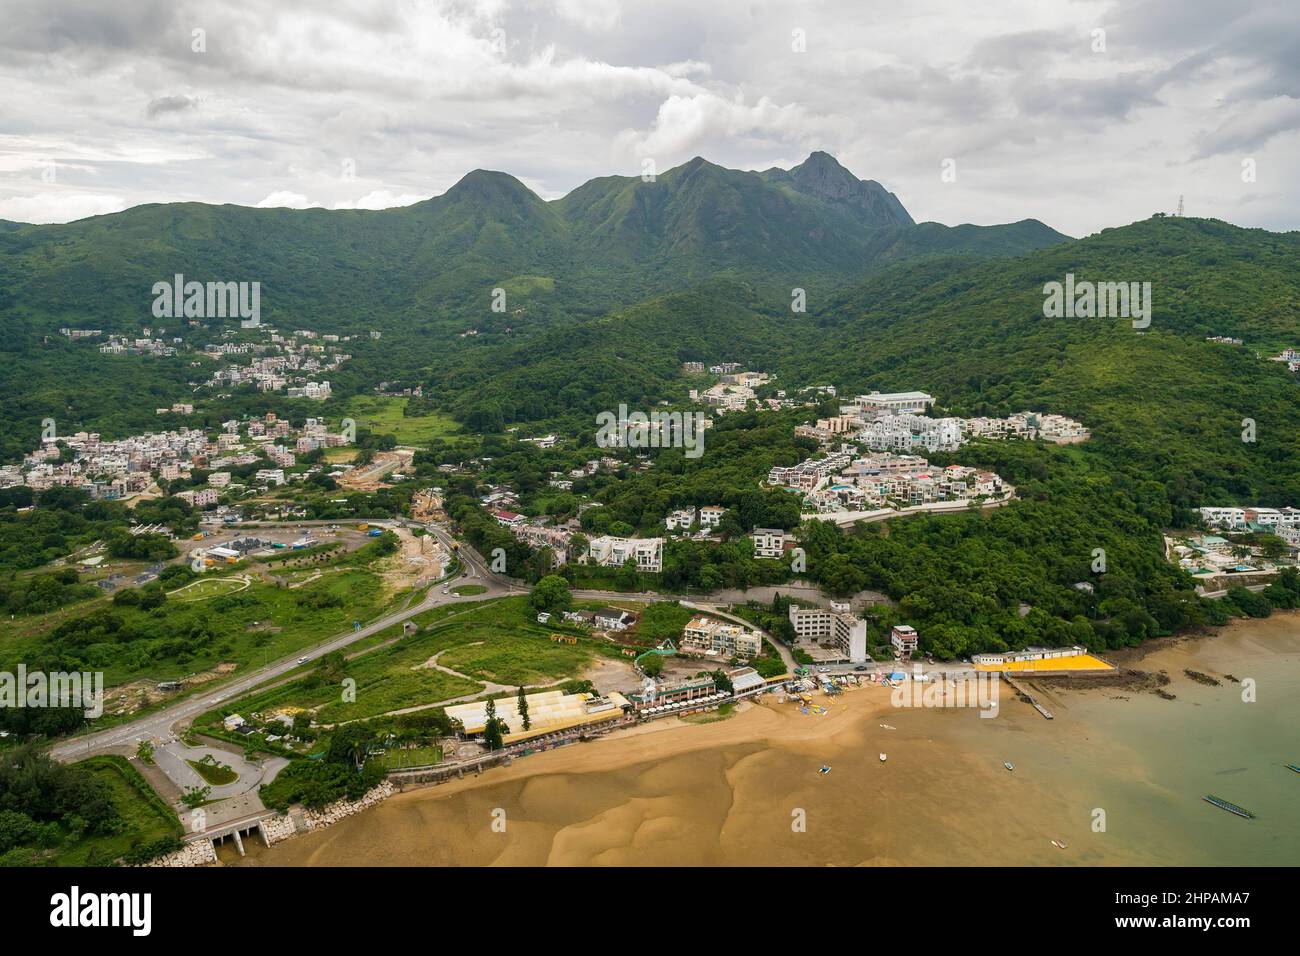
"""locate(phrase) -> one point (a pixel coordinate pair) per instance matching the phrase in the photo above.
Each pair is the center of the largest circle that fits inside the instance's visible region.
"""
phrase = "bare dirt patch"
(413, 562)
(131, 697)
(607, 675)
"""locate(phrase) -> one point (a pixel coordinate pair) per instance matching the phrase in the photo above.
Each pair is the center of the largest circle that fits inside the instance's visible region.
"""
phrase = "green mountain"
(423, 273)
(609, 243)
(821, 177)
(1162, 399)
(1169, 413)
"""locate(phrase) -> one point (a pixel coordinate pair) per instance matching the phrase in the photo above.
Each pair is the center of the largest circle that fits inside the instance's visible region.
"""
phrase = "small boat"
(825, 768)
(1230, 807)
(1060, 844)
(1292, 766)
(1007, 764)
(882, 758)
(887, 727)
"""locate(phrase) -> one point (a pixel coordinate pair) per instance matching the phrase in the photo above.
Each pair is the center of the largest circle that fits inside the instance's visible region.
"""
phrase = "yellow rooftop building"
(549, 712)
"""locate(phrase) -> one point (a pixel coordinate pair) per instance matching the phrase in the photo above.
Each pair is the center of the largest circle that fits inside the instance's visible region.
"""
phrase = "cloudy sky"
(1083, 114)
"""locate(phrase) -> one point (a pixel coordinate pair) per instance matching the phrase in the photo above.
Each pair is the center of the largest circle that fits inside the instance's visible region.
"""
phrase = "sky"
(1084, 114)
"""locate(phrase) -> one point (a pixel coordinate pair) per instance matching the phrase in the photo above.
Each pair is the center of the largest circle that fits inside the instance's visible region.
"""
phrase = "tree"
(195, 797)
(349, 744)
(492, 729)
(652, 665)
(523, 709)
(551, 594)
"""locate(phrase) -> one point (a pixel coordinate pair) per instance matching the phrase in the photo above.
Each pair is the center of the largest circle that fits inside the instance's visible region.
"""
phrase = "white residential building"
(905, 432)
(612, 552)
(706, 635)
(904, 402)
(711, 516)
(683, 518)
(1233, 518)
(835, 626)
(769, 542)
(904, 638)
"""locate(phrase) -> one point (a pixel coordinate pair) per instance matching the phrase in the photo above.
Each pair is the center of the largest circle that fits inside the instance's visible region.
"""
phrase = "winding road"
(162, 724)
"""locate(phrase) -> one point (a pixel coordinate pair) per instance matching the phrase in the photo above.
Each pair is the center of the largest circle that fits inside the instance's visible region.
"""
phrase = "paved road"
(708, 602)
(171, 759)
(159, 724)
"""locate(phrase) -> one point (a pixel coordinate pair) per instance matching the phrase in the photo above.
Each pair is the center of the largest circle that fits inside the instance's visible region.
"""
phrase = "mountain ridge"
(610, 242)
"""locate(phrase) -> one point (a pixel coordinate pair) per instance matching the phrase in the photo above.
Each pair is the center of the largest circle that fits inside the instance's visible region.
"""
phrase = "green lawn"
(398, 758)
(516, 659)
(469, 589)
(384, 415)
(250, 627)
(205, 588)
(496, 641)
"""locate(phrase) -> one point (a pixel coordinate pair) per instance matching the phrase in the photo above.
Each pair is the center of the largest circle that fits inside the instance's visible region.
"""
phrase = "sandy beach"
(746, 790)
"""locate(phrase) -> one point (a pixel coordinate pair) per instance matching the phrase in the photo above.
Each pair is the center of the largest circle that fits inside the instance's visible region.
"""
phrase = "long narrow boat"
(1230, 807)
(1292, 766)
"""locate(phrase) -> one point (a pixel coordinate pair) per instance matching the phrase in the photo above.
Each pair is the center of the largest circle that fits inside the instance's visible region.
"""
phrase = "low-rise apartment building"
(613, 552)
(836, 626)
(769, 542)
(706, 635)
(904, 639)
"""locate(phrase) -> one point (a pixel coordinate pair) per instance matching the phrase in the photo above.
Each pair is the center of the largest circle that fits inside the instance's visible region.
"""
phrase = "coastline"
(678, 793)
(1129, 657)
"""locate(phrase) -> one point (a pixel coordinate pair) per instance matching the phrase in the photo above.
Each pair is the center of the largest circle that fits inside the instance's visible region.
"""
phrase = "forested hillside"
(423, 274)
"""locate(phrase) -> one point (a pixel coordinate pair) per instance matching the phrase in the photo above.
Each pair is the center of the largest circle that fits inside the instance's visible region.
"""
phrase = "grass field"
(205, 588)
(384, 415)
(498, 641)
(407, 757)
(250, 627)
(468, 589)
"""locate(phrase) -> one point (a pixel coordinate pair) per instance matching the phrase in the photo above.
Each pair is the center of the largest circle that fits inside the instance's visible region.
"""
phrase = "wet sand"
(733, 792)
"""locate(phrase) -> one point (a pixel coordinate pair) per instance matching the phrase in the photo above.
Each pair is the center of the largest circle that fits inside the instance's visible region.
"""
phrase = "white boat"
(882, 758)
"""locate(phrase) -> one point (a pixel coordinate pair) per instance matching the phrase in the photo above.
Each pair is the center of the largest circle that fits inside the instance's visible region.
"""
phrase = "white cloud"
(684, 122)
(53, 206)
(284, 198)
(1251, 126)
(417, 92)
(380, 199)
(590, 14)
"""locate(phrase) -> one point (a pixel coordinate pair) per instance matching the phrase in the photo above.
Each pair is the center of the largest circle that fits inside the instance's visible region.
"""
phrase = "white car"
(302, 660)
